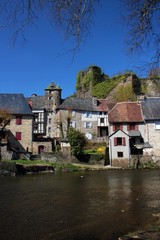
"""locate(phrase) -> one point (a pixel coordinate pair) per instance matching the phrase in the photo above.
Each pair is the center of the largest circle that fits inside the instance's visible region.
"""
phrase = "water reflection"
(89, 205)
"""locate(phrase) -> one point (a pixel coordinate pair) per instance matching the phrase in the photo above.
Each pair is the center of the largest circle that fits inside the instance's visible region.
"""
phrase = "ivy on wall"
(100, 85)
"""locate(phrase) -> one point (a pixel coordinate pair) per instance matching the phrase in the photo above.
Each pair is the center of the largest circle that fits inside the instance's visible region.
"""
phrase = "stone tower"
(52, 97)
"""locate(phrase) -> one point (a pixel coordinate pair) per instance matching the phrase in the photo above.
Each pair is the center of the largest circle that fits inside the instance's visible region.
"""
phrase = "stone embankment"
(13, 168)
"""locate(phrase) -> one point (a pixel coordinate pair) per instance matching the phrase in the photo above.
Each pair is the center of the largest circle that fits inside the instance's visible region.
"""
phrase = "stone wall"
(26, 133)
(123, 163)
(153, 137)
(58, 157)
(6, 155)
(47, 146)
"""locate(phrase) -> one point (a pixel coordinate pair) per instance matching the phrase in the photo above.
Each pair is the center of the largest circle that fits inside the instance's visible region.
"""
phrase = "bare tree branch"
(72, 17)
(143, 18)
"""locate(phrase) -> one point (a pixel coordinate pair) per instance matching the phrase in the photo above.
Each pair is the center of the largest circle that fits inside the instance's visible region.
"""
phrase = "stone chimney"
(94, 101)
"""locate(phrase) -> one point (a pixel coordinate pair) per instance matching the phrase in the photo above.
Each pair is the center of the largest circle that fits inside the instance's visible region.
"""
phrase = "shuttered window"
(18, 135)
(19, 120)
(132, 126)
(117, 126)
(119, 141)
(87, 125)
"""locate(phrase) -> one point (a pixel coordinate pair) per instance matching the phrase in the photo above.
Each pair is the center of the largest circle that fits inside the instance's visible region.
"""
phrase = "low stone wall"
(58, 157)
(5, 154)
(144, 159)
(24, 169)
(68, 158)
(123, 163)
(92, 159)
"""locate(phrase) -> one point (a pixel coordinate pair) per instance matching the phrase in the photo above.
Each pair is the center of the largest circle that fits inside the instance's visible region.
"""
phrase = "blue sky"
(29, 68)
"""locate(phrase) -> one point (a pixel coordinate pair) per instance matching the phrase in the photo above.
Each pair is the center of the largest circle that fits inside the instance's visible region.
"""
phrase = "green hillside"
(122, 87)
(101, 90)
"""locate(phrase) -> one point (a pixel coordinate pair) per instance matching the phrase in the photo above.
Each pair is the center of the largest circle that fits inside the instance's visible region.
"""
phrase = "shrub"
(8, 166)
(77, 141)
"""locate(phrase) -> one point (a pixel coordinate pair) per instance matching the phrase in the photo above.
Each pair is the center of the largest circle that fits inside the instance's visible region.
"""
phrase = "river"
(96, 205)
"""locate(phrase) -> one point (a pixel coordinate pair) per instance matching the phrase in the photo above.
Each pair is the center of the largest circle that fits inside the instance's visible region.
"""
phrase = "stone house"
(129, 129)
(151, 114)
(18, 132)
(88, 115)
(126, 132)
(45, 129)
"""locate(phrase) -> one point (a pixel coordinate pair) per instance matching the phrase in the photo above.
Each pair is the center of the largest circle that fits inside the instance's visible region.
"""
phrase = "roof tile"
(126, 112)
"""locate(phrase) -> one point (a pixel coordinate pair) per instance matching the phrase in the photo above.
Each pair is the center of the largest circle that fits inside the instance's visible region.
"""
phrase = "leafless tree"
(143, 18)
(154, 72)
(5, 118)
(73, 17)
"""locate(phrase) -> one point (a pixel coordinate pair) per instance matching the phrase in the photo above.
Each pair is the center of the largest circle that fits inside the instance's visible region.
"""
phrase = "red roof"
(126, 112)
(104, 106)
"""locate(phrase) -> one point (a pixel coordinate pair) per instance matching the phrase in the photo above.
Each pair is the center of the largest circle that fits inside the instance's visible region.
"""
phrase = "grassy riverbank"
(16, 167)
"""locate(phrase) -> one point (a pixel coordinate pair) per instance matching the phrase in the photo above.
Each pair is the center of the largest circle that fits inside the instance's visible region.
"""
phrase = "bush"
(77, 141)
(8, 166)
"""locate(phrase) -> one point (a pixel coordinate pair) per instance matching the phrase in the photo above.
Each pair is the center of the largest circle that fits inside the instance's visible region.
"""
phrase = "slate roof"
(15, 104)
(81, 104)
(151, 108)
(52, 86)
(37, 102)
(85, 104)
(125, 112)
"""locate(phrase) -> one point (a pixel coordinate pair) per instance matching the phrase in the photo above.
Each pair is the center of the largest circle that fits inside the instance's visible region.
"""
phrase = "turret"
(52, 97)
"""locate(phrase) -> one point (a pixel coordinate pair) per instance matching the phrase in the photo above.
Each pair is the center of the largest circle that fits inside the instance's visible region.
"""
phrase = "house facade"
(151, 114)
(45, 128)
(88, 115)
(19, 130)
(126, 132)
(39, 123)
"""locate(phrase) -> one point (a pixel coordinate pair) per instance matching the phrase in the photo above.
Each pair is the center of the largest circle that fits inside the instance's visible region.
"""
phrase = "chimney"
(94, 101)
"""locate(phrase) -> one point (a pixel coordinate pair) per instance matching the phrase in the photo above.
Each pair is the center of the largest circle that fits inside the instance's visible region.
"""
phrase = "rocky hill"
(123, 87)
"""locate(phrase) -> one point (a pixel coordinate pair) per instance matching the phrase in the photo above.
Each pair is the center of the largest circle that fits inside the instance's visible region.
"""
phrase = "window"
(73, 113)
(132, 126)
(88, 136)
(73, 124)
(117, 126)
(119, 154)
(119, 141)
(102, 113)
(88, 125)
(19, 120)
(18, 135)
(157, 125)
(50, 98)
(49, 130)
(101, 120)
(88, 114)
(35, 128)
(49, 121)
(40, 128)
(39, 117)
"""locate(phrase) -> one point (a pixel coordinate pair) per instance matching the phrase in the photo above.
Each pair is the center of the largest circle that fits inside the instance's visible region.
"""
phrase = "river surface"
(93, 205)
